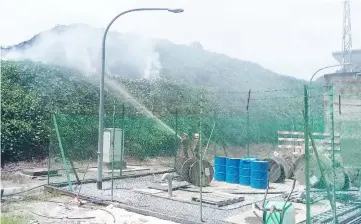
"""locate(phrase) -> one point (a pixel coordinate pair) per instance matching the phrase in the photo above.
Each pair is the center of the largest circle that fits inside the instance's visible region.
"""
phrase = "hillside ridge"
(134, 56)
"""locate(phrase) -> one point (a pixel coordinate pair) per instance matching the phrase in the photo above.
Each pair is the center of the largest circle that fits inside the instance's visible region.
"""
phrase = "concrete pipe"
(169, 178)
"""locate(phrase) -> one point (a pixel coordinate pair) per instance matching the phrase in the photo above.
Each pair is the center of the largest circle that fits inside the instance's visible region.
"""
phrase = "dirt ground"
(37, 206)
(57, 209)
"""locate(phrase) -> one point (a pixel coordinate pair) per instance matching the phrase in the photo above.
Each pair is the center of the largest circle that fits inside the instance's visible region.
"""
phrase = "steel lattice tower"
(347, 37)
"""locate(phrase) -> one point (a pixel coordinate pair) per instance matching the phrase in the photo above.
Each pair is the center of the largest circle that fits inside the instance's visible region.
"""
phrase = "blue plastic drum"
(232, 170)
(259, 174)
(245, 172)
(220, 168)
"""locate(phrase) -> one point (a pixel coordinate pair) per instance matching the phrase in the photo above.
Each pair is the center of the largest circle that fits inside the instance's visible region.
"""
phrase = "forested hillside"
(180, 78)
(132, 56)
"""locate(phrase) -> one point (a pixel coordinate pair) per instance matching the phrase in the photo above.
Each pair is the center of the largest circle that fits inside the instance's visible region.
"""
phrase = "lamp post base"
(99, 185)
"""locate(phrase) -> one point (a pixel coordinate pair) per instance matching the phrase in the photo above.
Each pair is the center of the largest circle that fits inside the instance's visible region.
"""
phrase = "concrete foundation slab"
(219, 199)
(164, 186)
(148, 191)
(246, 217)
(179, 195)
(275, 188)
(136, 193)
(128, 169)
(36, 172)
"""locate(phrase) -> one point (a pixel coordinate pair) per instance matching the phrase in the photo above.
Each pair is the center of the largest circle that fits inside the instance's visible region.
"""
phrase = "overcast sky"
(287, 36)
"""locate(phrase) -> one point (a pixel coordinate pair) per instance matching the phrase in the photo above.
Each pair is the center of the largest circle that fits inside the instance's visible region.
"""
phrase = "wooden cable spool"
(354, 176)
(300, 168)
(276, 173)
(207, 170)
(178, 165)
(286, 167)
(341, 182)
(185, 169)
(290, 162)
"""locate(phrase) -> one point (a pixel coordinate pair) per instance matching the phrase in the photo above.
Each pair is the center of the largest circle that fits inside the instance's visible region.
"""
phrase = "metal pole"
(122, 151)
(113, 151)
(307, 155)
(333, 154)
(176, 129)
(215, 148)
(248, 134)
(200, 160)
(122, 141)
(49, 152)
(63, 154)
(101, 95)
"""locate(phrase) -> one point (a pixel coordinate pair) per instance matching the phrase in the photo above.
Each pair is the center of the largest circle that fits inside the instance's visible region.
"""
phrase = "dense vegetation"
(31, 92)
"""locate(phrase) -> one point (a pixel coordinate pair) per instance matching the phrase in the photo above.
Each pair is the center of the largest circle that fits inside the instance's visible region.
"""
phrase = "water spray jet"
(121, 90)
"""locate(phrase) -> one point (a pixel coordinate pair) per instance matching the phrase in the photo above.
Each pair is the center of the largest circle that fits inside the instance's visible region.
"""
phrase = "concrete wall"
(347, 101)
(347, 112)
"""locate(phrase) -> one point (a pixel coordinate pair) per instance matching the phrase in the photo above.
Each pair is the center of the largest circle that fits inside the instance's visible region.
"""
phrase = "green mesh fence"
(339, 152)
(346, 106)
(242, 120)
(251, 123)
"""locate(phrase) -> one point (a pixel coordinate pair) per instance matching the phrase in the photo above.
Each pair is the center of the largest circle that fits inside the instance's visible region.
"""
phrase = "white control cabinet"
(108, 147)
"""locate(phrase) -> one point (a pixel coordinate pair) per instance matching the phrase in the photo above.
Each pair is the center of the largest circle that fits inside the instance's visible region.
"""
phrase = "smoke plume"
(79, 47)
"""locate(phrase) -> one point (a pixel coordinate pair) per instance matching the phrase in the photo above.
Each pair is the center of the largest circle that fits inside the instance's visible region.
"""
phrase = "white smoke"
(153, 67)
(79, 47)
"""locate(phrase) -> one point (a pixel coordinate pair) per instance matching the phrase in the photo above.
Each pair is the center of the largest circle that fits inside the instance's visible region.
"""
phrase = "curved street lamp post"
(101, 103)
(314, 75)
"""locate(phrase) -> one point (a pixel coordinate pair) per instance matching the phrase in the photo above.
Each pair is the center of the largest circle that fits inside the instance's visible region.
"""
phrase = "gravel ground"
(52, 209)
(124, 193)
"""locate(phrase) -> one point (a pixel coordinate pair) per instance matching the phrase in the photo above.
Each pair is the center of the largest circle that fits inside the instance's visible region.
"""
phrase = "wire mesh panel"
(247, 123)
(338, 149)
(157, 124)
(345, 101)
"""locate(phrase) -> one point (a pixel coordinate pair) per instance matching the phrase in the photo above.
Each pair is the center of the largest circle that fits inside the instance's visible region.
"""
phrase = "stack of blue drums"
(259, 174)
(220, 168)
(232, 170)
(246, 171)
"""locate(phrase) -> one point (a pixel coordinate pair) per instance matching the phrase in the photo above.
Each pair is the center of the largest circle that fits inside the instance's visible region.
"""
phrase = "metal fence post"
(248, 134)
(307, 154)
(63, 154)
(333, 153)
(200, 159)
